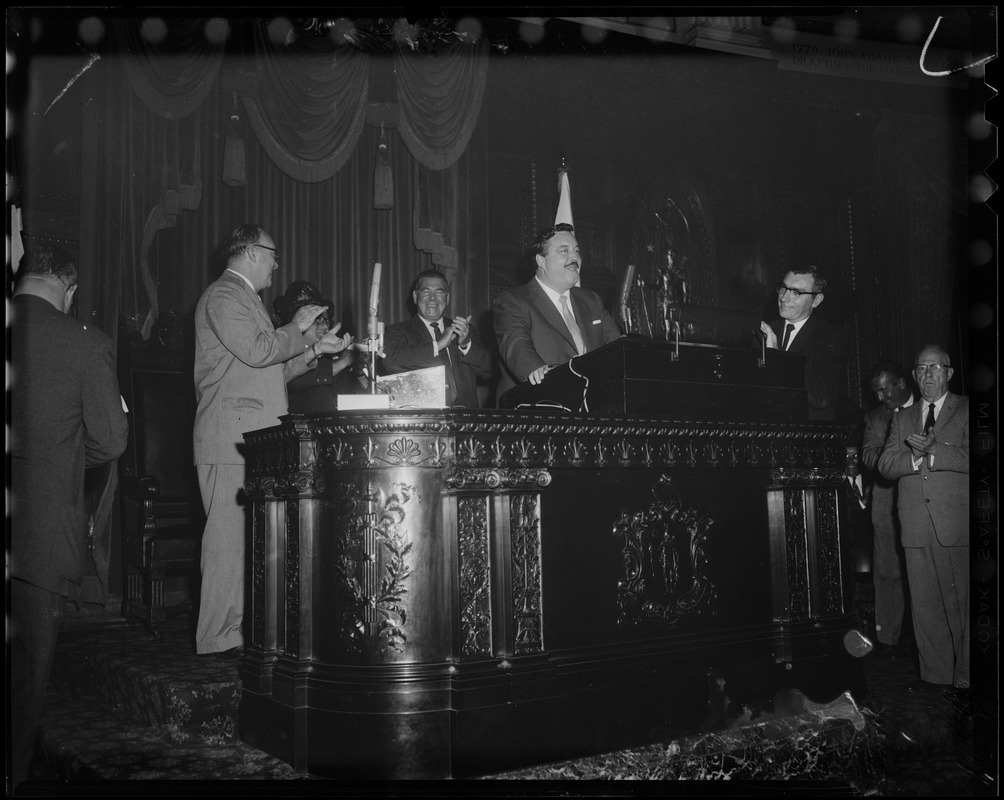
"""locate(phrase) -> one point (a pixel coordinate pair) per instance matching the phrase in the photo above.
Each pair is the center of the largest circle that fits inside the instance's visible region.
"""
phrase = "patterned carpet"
(125, 706)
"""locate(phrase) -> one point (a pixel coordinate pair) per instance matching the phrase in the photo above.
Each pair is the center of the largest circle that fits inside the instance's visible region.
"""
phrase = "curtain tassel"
(383, 177)
(234, 173)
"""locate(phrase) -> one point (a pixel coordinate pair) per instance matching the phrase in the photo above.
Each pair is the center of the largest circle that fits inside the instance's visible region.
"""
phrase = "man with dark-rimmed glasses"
(822, 344)
(242, 364)
(928, 453)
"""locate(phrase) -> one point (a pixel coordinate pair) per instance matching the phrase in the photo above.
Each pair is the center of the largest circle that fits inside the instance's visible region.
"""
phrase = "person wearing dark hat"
(316, 390)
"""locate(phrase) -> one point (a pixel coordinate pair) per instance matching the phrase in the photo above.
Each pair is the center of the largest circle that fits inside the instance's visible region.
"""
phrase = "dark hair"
(429, 273)
(540, 243)
(44, 259)
(239, 240)
(298, 295)
(890, 368)
(818, 278)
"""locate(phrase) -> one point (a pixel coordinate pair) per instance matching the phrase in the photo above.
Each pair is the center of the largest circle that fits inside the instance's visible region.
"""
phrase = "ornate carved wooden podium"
(450, 593)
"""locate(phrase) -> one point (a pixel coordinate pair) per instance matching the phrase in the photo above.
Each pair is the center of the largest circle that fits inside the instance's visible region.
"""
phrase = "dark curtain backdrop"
(155, 208)
(922, 202)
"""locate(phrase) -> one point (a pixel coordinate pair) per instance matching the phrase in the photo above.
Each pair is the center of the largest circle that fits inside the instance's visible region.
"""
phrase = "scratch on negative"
(73, 80)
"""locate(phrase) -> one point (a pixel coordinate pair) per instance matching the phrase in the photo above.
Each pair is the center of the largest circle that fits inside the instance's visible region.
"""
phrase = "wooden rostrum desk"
(448, 593)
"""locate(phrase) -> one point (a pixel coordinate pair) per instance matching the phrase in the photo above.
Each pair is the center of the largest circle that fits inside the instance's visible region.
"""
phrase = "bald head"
(933, 370)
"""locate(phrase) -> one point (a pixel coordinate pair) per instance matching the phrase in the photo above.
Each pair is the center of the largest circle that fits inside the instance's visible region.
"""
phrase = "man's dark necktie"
(439, 335)
(787, 335)
(930, 419)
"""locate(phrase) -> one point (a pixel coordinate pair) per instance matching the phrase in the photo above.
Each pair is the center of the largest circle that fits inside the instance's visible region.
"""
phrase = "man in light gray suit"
(242, 364)
(928, 453)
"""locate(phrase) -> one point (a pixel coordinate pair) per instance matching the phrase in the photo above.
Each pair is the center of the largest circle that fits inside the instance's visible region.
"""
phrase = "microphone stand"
(374, 329)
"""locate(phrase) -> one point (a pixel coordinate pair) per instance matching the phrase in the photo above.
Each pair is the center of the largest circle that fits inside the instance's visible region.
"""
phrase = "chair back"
(155, 378)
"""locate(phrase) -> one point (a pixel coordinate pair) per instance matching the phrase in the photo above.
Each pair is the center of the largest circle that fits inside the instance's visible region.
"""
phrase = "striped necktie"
(566, 313)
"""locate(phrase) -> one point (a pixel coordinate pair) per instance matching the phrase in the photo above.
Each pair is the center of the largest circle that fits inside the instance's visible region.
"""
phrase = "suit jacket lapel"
(582, 319)
(803, 341)
(919, 414)
(549, 311)
(947, 409)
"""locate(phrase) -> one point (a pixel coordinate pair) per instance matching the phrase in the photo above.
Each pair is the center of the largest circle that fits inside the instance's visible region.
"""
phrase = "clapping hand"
(461, 327)
(921, 444)
(331, 342)
(305, 316)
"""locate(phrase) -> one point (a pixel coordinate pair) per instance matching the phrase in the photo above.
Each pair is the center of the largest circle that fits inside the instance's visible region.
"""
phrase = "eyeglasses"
(275, 253)
(325, 321)
(782, 290)
(932, 369)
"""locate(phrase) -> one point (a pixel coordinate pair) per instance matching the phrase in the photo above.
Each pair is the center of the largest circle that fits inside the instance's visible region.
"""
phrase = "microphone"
(625, 303)
(374, 324)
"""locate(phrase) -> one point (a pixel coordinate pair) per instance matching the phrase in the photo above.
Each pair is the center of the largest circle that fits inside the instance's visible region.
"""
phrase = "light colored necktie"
(566, 313)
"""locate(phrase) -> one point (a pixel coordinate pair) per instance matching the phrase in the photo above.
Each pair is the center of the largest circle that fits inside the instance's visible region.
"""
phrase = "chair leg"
(132, 602)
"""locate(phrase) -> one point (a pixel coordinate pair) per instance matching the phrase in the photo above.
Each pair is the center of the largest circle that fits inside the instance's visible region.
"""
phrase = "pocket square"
(596, 322)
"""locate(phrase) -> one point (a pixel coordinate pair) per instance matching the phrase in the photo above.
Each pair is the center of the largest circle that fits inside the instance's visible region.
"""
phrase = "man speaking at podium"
(822, 344)
(545, 322)
(429, 339)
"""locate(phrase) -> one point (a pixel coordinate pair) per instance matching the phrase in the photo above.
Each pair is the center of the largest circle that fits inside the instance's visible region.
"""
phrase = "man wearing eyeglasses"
(550, 319)
(928, 453)
(430, 339)
(822, 344)
(242, 364)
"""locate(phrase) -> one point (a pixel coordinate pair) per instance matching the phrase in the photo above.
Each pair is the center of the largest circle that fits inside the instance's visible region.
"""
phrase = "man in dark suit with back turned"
(429, 339)
(547, 321)
(799, 331)
(928, 453)
(66, 415)
(891, 386)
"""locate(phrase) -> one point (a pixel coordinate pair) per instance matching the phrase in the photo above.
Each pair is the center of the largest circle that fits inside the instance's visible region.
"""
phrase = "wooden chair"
(162, 514)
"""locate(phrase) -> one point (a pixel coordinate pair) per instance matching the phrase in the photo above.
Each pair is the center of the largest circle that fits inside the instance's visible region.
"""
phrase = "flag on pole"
(16, 243)
(564, 213)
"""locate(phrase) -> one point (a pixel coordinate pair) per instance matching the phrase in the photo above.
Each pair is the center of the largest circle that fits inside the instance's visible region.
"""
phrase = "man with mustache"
(928, 453)
(548, 320)
(798, 331)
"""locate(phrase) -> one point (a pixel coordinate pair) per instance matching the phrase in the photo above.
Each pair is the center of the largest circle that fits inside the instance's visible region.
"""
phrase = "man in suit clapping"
(928, 453)
(429, 339)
